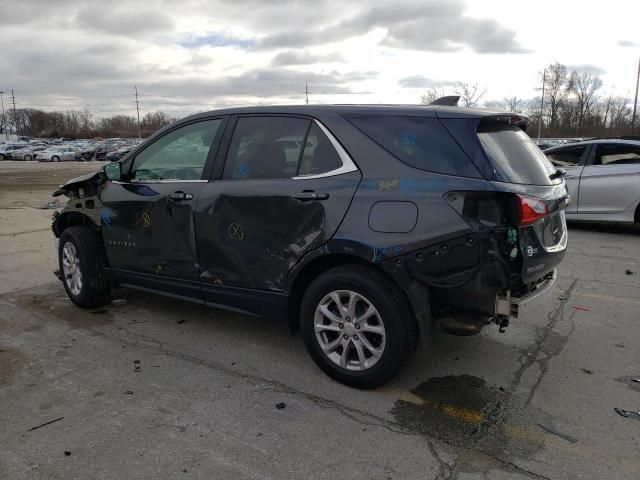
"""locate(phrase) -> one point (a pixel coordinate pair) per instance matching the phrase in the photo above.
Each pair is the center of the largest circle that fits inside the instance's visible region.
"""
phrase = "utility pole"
(4, 119)
(544, 79)
(306, 92)
(15, 116)
(635, 101)
(138, 110)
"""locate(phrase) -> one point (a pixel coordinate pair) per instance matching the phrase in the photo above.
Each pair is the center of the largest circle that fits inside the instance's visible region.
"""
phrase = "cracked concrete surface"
(144, 396)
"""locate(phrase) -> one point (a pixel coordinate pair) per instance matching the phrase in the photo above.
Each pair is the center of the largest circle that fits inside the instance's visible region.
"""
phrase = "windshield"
(515, 157)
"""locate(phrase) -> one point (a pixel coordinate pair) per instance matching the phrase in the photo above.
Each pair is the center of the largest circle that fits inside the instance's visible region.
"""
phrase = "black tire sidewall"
(90, 266)
(392, 314)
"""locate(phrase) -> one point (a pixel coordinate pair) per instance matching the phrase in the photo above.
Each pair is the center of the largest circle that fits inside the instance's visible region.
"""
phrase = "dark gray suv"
(363, 226)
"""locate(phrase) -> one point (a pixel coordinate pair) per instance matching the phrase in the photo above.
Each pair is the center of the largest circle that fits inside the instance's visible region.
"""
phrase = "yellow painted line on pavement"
(611, 298)
(452, 411)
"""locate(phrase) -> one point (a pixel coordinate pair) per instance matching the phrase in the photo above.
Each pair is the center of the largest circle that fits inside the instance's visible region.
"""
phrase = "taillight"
(531, 209)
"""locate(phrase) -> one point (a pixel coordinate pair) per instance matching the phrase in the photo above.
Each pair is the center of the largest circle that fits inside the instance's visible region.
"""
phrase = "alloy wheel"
(349, 330)
(71, 268)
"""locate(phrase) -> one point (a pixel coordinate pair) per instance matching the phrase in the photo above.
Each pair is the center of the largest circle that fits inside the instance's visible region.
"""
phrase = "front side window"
(567, 157)
(617, 155)
(178, 155)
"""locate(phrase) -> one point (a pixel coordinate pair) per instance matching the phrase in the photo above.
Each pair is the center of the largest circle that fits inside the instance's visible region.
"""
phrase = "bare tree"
(514, 104)
(558, 86)
(584, 86)
(470, 94)
(432, 94)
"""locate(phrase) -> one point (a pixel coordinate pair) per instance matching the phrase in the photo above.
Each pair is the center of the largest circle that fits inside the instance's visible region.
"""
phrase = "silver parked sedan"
(56, 154)
(603, 178)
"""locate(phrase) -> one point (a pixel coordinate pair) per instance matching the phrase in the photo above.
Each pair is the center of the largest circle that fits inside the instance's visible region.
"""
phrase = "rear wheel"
(2, 157)
(55, 158)
(28, 158)
(357, 326)
(81, 258)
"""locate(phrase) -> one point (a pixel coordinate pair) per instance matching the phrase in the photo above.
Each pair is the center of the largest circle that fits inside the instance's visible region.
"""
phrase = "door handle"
(307, 195)
(180, 196)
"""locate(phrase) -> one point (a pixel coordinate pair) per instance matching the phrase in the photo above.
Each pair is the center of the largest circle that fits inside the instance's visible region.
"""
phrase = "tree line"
(575, 105)
(81, 124)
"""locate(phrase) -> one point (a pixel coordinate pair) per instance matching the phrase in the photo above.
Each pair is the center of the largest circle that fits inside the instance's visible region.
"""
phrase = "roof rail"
(449, 100)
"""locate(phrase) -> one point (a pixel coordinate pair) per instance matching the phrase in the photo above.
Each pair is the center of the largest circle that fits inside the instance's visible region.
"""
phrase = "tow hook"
(502, 321)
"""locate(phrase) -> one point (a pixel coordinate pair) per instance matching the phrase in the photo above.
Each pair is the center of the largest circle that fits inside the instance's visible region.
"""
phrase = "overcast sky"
(192, 55)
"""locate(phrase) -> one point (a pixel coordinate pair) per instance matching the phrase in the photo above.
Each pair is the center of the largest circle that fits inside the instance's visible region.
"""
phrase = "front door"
(610, 183)
(148, 224)
(571, 159)
(285, 188)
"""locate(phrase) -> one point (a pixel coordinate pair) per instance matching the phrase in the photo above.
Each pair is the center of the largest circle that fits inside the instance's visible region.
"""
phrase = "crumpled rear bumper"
(516, 307)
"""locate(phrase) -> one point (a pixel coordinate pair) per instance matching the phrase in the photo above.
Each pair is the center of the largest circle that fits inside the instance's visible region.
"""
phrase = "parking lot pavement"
(157, 388)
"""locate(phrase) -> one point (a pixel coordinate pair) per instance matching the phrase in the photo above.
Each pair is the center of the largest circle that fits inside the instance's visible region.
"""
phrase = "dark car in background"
(116, 155)
(361, 225)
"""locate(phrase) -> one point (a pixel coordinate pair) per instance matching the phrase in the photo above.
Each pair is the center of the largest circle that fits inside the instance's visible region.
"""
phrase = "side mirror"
(113, 170)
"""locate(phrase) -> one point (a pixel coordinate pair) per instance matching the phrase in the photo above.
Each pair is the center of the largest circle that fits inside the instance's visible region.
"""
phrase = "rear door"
(283, 186)
(148, 218)
(610, 182)
(572, 159)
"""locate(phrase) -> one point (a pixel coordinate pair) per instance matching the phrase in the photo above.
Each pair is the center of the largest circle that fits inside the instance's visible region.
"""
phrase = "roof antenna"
(306, 92)
(449, 100)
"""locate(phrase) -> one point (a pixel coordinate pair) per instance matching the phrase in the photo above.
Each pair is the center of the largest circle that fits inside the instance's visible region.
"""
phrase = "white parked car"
(28, 153)
(59, 153)
(603, 178)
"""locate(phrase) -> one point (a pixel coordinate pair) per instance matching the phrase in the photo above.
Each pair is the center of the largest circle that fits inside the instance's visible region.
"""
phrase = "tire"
(55, 158)
(393, 343)
(93, 288)
(2, 157)
(28, 158)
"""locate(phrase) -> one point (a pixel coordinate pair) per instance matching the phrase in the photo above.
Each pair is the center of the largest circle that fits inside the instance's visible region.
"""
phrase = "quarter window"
(617, 155)
(178, 155)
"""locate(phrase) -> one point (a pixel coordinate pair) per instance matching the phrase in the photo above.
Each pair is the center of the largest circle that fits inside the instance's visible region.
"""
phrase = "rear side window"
(319, 156)
(516, 158)
(567, 157)
(266, 147)
(613, 154)
(420, 142)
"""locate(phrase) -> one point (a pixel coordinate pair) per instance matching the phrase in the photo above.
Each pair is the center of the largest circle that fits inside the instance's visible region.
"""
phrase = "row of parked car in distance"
(63, 150)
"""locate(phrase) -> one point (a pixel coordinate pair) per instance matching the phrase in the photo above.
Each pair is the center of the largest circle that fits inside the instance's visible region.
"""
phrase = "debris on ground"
(635, 380)
(578, 307)
(568, 438)
(128, 392)
(137, 365)
(280, 405)
(627, 413)
(45, 424)
(628, 271)
(118, 302)
(67, 453)
(51, 205)
(586, 370)
(180, 321)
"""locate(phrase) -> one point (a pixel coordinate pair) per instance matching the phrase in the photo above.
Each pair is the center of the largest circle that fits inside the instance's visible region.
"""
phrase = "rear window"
(516, 158)
(420, 142)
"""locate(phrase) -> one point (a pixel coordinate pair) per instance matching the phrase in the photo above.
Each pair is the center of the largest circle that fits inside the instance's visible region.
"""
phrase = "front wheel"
(82, 261)
(55, 158)
(28, 158)
(357, 325)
